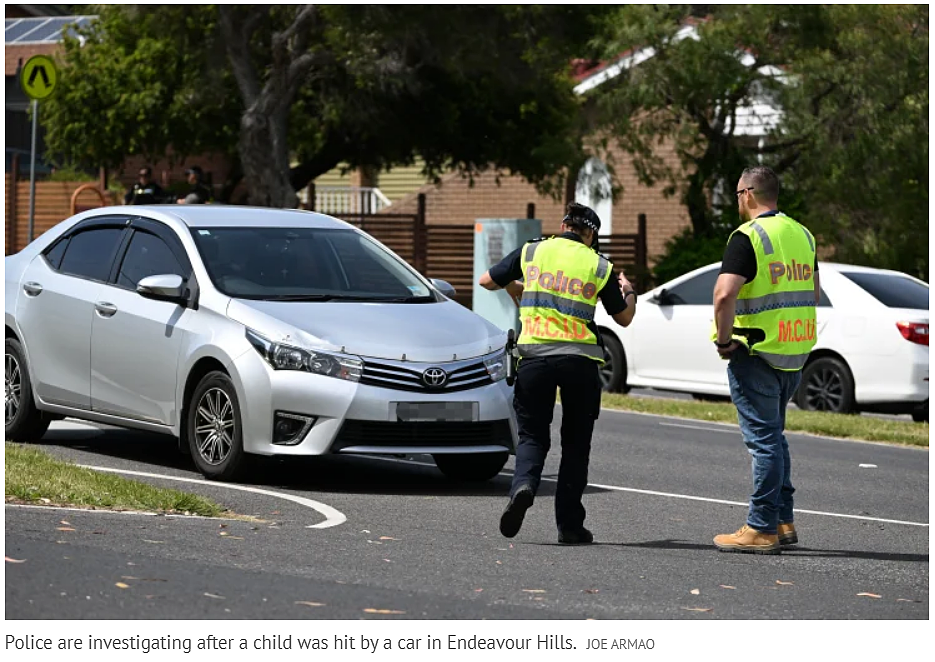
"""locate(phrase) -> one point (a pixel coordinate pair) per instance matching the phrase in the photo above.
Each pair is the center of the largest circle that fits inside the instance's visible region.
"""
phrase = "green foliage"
(862, 101)
(851, 82)
(685, 252)
(464, 87)
(70, 173)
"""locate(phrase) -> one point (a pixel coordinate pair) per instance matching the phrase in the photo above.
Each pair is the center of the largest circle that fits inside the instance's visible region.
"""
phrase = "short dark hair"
(195, 170)
(580, 217)
(764, 182)
(146, 170)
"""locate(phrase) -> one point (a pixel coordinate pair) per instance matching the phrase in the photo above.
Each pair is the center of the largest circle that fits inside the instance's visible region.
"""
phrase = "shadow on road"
(415, 475)
(794, 552)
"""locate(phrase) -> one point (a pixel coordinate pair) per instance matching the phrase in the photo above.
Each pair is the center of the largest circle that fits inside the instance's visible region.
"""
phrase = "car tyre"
(471, 467)
(24, 422)
(213, 428)
(827, 385)
(921, 413)
(614, 371)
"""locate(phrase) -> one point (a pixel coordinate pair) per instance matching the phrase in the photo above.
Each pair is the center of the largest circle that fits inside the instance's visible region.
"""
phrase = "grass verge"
(33, 476)
(826, 424)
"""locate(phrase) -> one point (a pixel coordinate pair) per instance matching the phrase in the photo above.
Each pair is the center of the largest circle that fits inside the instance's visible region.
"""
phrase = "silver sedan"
(250, 331)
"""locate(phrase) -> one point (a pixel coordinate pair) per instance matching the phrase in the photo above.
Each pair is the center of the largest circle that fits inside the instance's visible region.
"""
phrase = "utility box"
(494, 239)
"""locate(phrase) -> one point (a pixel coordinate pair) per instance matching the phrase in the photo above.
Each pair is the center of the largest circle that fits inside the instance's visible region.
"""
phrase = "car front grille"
(461, 376)
(387, 434)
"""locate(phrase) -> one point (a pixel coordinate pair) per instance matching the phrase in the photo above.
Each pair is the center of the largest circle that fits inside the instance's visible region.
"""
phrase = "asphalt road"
(415, 545)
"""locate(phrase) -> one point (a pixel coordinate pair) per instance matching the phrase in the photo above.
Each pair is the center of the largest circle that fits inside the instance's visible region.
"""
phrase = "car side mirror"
(662, 298)
(444, 287)
(165, 287)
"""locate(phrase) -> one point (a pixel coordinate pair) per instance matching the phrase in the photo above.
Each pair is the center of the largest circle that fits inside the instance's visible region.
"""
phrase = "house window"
(594, 190)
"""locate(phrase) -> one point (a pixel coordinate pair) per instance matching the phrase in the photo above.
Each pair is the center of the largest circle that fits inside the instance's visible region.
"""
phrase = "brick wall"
(455, 202)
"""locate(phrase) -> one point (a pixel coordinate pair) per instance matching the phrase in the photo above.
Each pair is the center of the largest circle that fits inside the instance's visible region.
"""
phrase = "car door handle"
(32, 289)
(105, 309)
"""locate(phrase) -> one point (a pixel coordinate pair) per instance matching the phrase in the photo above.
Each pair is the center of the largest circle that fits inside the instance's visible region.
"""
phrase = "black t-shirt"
(510, 268)
(740, 258)
(144, 194)
(199, 195)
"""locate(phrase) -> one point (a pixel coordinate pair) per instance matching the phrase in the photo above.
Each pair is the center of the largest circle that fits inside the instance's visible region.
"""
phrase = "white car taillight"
(914, 332)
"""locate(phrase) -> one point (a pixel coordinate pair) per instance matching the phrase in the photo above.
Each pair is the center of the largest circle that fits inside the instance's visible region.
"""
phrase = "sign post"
(38, 79)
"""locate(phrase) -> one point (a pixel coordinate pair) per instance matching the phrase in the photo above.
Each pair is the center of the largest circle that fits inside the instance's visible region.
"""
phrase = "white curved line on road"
(332, 516)
(671, 495)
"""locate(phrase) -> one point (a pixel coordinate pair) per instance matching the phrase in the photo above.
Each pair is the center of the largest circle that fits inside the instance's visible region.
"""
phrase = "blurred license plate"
(411, 412)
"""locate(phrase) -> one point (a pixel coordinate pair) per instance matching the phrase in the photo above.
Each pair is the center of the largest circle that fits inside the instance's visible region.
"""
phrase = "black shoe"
(580, 537)
(512, 518)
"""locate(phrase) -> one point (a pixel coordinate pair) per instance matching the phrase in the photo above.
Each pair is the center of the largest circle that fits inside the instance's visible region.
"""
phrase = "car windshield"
(306, 264)
(892, 290)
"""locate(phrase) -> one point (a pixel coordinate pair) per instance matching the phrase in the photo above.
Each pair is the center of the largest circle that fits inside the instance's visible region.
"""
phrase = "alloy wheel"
(824, 390)
(13, 386)
(214, 426)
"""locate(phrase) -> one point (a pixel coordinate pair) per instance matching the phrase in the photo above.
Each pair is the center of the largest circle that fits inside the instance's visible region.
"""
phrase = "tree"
(862, 101)
(463, 87)
(850, 87)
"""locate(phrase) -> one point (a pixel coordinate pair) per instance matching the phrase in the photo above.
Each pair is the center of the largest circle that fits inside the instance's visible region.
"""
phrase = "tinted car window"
(892, 290)
(147, 255)
(271, 263)
(90, 254)
(55, 254)
(697, 291)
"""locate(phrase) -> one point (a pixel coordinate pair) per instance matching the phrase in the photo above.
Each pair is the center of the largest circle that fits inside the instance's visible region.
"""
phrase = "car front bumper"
(350, 417)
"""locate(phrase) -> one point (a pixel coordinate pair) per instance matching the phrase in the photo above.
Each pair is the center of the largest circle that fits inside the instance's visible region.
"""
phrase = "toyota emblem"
(434, 377)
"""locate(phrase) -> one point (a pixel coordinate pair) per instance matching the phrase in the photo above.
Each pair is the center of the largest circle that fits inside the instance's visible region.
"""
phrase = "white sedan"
(872, 351)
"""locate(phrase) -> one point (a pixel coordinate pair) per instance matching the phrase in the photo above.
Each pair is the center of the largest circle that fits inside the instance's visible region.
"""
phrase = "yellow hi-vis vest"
(561, 279)
(780, 301)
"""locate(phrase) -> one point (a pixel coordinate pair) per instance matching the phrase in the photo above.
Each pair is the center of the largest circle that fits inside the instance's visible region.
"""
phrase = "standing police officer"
(764, 311)
(560, 347)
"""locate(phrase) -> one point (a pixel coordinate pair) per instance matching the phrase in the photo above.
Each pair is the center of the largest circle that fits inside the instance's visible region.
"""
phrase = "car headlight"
(496, 366)
(287, 357)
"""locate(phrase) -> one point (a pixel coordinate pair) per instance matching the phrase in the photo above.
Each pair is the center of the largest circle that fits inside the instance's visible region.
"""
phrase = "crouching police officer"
(560, 347)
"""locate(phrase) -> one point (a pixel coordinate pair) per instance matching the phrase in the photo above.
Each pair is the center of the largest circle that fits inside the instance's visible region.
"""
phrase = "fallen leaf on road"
(9, 560)
(387, 538)
(128, 578)
(121, 585)
(276, 512)
(697, 608)
(533, 590)
(44, 500)
(216, 597)
(222, 526)
(868, 595)
(375, 542)
(154, 542)
(695, 591)
(499, 563)
(905, 600)
(310, 604)
(64, 528)
(382, 611)
(591, 590)
(387, 560)
(785, 583)
(478, 590)
(65, 523)
(732, 588)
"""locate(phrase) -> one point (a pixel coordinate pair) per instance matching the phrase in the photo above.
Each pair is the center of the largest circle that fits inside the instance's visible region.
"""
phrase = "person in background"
(145, 191)
(199, 194)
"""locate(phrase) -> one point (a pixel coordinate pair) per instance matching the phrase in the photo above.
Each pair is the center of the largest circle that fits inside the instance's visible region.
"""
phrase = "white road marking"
(688, 497)
(332, 517)
(867, 466)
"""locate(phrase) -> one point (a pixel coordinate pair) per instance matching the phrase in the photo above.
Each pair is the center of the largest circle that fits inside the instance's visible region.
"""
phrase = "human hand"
(625, 284)
(515, 290)
(725, 352)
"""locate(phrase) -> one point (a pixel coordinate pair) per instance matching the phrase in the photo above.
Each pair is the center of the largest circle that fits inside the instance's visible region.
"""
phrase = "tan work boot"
(787, 534)
(748, 540)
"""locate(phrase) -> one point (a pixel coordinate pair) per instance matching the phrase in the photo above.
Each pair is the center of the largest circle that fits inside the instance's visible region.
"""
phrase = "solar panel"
(42, 29)
(18, 28)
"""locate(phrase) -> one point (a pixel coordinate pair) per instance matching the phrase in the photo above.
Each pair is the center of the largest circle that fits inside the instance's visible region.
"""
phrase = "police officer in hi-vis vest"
(556, 282)
(764, 311)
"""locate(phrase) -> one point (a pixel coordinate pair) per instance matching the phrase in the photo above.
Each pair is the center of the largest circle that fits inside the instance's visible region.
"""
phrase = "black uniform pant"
(534, 401)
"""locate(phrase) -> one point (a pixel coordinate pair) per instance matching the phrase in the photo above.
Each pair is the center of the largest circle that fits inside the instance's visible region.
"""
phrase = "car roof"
(215, 216)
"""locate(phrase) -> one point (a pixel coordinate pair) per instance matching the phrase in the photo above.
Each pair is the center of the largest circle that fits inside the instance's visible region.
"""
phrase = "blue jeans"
(761, 394)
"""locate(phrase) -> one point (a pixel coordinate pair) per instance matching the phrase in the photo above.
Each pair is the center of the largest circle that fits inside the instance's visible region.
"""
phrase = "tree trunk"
(264, 155)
